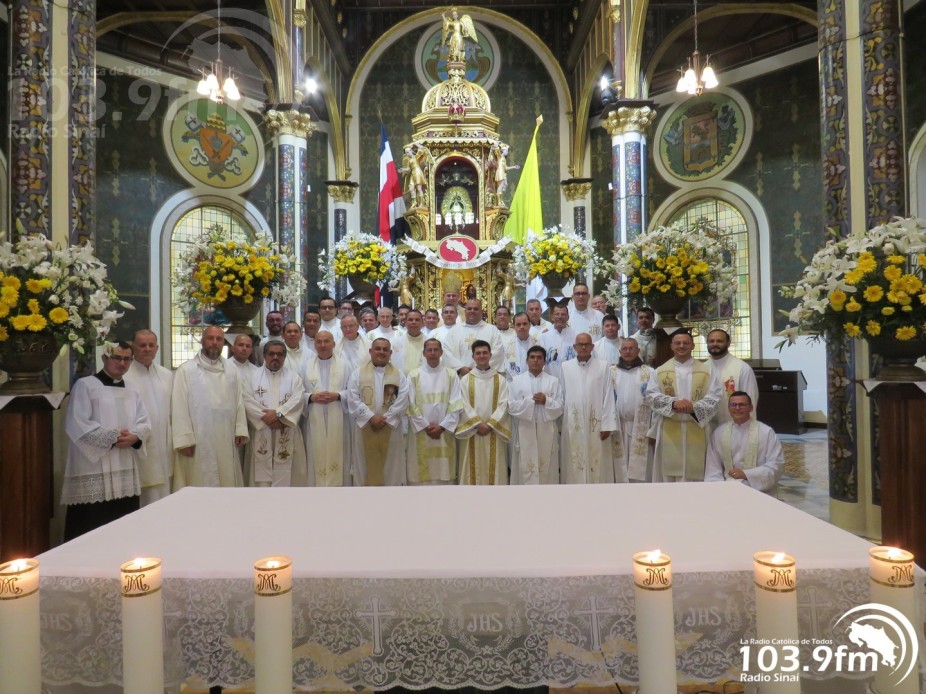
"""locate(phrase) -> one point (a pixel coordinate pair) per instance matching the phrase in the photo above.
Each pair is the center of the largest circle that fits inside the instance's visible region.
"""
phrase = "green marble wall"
(522, 91)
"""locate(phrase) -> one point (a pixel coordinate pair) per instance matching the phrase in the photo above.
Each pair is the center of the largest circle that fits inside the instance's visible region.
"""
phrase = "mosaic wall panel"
(286, 194)
(523, 90)
(82, 119)
(600, 210)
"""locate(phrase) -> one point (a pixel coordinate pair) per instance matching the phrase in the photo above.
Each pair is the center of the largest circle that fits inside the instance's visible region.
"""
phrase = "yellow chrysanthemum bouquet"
(62, 292)
(216, 268)
(364, 256)
(867, 285)
(555, 252)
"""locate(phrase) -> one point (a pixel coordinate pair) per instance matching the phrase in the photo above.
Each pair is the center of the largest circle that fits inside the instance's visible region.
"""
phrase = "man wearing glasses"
(582, 317)
(106, 424)
(744, 449)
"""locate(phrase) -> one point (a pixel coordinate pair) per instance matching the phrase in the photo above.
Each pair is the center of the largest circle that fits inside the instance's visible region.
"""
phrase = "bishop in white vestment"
(535, 403)
(377, 397)
(745, 450)
(684, 394)
(273, 403)
(208, 418)
(434, 408)
(327, 425)
(631, 445)
(589, 418)
(154, 384)
(484, 429)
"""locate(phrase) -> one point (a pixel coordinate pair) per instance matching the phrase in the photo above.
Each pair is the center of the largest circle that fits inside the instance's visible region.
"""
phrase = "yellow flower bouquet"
(58, 291)
(216, 268)
(867, 285)
(362, 255)
(555, 252)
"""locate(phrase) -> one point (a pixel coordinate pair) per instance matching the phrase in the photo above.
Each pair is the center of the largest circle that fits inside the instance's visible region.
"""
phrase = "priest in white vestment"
(582, 317)
(589, 418)
(733, 373)
(434, 408)
(106, 425)
(241, 351)
(353, 347)
(311, 324)
(631, 445)
(327, 425)
(154, 384)
(431, 321)
(449, 315)
(368, 321)
(684, 393)
(516, 345)
(377, 397)
(608, 348)
(208, 418)
(458, 343)
(539, 325)
(411, 356)
(330, 321)
(744, 449)
(484, 429)
(535, 403)
(385, 329)
(296, 350)
(559, 342)
(645, 335)
(274, 321)
(503, 322)
(273, 401)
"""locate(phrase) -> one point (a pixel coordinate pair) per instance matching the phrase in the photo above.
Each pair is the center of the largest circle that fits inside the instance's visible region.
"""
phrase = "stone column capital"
(576, 188)
(629, 119)
(342, 191)
(290, 122)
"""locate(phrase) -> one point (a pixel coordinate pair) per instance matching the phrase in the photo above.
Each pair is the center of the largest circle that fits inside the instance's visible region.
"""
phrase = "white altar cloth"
(443, 586)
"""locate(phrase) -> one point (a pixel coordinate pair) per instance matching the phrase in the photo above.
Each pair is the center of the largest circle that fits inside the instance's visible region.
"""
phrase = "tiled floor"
(805, 482)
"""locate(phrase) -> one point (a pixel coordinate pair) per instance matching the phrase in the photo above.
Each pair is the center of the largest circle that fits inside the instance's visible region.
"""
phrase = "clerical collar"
(108, 380)
(632, 365)
(584, 363)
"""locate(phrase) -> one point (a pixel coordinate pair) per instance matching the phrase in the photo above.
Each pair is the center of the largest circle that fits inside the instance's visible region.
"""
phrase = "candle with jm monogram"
(142, 627)
(273, 625)
(20, 649)
(655, 614)
(775, 576)
(893, 584)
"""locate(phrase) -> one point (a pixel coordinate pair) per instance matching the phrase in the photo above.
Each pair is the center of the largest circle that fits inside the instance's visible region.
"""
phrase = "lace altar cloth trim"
(416, 633)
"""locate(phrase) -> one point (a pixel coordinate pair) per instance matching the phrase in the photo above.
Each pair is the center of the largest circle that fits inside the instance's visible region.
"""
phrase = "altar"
(444, 586)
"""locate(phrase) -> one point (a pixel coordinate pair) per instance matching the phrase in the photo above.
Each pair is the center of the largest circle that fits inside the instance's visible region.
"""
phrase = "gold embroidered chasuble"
(483, 459)
(378, 456)
(434, 397)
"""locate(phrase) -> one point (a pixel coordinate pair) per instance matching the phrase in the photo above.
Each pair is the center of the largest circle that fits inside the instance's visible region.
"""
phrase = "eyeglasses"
(738, 405)
(124, 360)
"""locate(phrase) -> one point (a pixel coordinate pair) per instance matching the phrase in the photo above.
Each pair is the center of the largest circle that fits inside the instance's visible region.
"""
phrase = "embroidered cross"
(260, 392)
(375, 613)
(593, 611)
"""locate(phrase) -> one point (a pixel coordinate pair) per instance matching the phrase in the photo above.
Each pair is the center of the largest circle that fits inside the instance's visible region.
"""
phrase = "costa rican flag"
(392, 225)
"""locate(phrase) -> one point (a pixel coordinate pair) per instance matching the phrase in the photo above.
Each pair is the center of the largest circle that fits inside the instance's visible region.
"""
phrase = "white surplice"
(156, 463)
(734, 374)
(277, 456)
(535, 458)
(484, 459)
(332, 326)
(459, 341)
(327, 426)
(769, 457)
(608, 350)
(96, 471)
(355, 352)
(589, 409)
(361, 414)
(433, 398)
(207, 411)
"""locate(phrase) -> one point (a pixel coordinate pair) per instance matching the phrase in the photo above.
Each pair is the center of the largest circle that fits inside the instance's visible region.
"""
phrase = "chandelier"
(694, 80)
(210, 83)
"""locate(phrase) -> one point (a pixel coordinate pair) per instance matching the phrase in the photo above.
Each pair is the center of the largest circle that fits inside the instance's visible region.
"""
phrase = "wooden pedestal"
(902, 440)
(25, 477)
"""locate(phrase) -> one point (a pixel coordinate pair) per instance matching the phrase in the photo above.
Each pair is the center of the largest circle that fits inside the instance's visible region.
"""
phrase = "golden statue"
(417, 158)
(455, 32)
(499, 167)
(509, 285)
(405, 287)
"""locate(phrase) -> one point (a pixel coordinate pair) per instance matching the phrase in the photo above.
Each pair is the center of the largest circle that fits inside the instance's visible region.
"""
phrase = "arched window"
(735, 316)
(185, 330)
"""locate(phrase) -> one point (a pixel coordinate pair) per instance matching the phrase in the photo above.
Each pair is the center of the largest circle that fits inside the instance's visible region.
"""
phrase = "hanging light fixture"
(212, 84)
(694, 80)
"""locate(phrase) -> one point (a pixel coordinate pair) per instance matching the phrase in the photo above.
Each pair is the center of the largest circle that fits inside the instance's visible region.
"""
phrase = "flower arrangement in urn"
(362, 257)
(868, 285)
(556, 256)
(672, 265)
(50, 296)
(216, 270)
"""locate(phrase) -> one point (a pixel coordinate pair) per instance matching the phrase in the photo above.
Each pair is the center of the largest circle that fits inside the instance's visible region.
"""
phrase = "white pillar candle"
(655, 615)
(892, 583)
(142, 627)
(776, 612)
(20, 647)
(273, 625)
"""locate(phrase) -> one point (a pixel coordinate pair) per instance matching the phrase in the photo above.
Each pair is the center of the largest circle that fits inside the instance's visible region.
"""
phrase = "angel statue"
(455, 32)
(505, 277)
(416, 159)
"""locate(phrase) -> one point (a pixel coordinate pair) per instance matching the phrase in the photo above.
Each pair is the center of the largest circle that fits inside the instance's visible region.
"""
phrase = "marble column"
(342, 196)
(575, 212)
(290, 130)
(862, 112)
